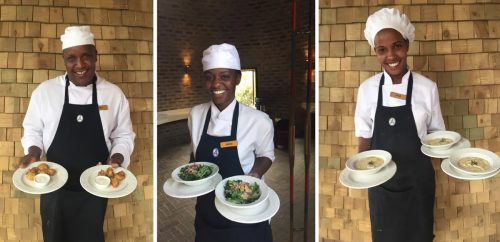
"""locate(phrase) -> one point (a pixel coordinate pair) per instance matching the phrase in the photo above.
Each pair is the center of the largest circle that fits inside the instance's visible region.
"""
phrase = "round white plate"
(357, 181)
(462, 144)
(450, 171)
(268, 213)
(56, 181)
(179, 190)
(127, 185)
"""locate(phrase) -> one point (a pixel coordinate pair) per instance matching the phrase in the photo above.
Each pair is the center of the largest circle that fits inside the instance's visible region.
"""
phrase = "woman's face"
(391, 49)
(221, 83)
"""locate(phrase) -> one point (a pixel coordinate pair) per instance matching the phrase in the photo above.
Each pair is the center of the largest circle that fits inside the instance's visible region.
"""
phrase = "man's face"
(391, 49)
(80, 64)
(221, 83)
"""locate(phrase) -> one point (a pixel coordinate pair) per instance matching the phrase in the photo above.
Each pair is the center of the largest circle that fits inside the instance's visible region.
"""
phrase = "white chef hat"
(77, 35)
(388, 18)
(221, 56)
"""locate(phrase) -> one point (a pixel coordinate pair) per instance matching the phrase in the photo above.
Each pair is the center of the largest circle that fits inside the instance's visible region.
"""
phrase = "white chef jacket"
(424, 100)
(45, 109)
(255, 131)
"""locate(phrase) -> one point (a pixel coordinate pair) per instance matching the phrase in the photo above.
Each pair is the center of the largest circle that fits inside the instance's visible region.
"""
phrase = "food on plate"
(115, 178)
(42, 168)
(194, 172)
(240, 192)
(473, 164)
(369, 162)
(439, 141)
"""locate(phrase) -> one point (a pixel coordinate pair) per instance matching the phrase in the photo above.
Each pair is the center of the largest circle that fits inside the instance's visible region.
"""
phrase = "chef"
(77, 120)
(237, 138)
(394, 110)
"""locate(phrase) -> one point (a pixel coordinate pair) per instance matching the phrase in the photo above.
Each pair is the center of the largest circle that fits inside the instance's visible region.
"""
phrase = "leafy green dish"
(240, 192)
(195, 172)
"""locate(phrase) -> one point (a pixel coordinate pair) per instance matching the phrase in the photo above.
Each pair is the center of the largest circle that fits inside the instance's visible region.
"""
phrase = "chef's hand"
(33, 155)
(116, 160)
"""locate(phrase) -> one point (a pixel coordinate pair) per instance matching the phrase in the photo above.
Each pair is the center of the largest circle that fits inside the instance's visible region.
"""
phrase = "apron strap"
(207, 120)
(234, 124)
(408, 92)
(234, 128)
(379, 100)
(410, 89)
(94, 90)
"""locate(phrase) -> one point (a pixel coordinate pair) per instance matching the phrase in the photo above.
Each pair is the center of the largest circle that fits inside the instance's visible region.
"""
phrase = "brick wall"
(173, 133)
(30, 52)
(259, 29)
(456, 45)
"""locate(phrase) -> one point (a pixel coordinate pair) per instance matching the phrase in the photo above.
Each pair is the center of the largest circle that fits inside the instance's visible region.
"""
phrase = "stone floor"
(176, 216)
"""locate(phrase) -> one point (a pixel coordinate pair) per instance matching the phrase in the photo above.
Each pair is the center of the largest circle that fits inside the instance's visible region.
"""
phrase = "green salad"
(195, 172)
(240, 192)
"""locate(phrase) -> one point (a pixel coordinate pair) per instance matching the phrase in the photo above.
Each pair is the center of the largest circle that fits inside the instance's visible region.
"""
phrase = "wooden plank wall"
(30, 52)
(456, 45)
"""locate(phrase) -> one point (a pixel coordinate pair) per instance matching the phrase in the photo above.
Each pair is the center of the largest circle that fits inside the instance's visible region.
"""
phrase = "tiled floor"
(176, 216)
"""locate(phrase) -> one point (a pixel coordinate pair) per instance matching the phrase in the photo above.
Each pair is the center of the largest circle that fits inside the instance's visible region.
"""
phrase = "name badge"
(232, 143)
(103, 107)
(398, 95)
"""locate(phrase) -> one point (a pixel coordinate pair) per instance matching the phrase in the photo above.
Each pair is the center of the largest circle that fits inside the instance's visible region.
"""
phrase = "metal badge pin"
(79, 118)
(215, 152)
(392, 121)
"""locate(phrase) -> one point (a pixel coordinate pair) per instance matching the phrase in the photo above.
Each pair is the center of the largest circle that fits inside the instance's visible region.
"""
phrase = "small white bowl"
(244, 209)
(215, 170)
(41, 180)
(102, 182)
(490, 157)
(351, 162)
(454, 136)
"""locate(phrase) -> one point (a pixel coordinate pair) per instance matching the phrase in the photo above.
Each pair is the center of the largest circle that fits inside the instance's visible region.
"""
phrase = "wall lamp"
(186, 69)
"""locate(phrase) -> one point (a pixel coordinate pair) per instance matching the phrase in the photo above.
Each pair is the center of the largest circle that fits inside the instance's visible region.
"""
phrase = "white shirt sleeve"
(363, 120)
(436, 121)
(122, 135)
(265, 146)
(33, 125)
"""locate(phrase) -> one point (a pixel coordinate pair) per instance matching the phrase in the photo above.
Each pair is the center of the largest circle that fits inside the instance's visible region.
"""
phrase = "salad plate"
(181, 190)
(272, 206)
(195, 173)
(26, 185)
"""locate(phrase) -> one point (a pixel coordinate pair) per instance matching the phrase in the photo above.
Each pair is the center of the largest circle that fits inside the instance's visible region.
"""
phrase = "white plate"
(175, 173)
(272, 208)
(462, 144)
(56, 181)
(450, 171)
(179, 190)
(127, 185)
(356, 181)
(264, 192)
(490, 157)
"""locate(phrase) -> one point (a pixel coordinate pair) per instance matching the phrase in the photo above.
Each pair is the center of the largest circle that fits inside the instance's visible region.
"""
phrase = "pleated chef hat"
(77, 35)
(388, 18)
(221, 56)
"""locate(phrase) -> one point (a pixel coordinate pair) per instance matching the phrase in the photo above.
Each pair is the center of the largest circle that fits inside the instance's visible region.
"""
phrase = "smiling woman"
(395, 109)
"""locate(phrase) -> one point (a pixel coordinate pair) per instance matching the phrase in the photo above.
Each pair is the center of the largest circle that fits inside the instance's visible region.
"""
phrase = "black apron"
(71, 213)
(402, 208)
(209, 224)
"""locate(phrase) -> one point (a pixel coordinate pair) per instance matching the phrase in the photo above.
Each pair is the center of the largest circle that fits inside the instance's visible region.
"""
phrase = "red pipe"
(291, 128)
(307, 142)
